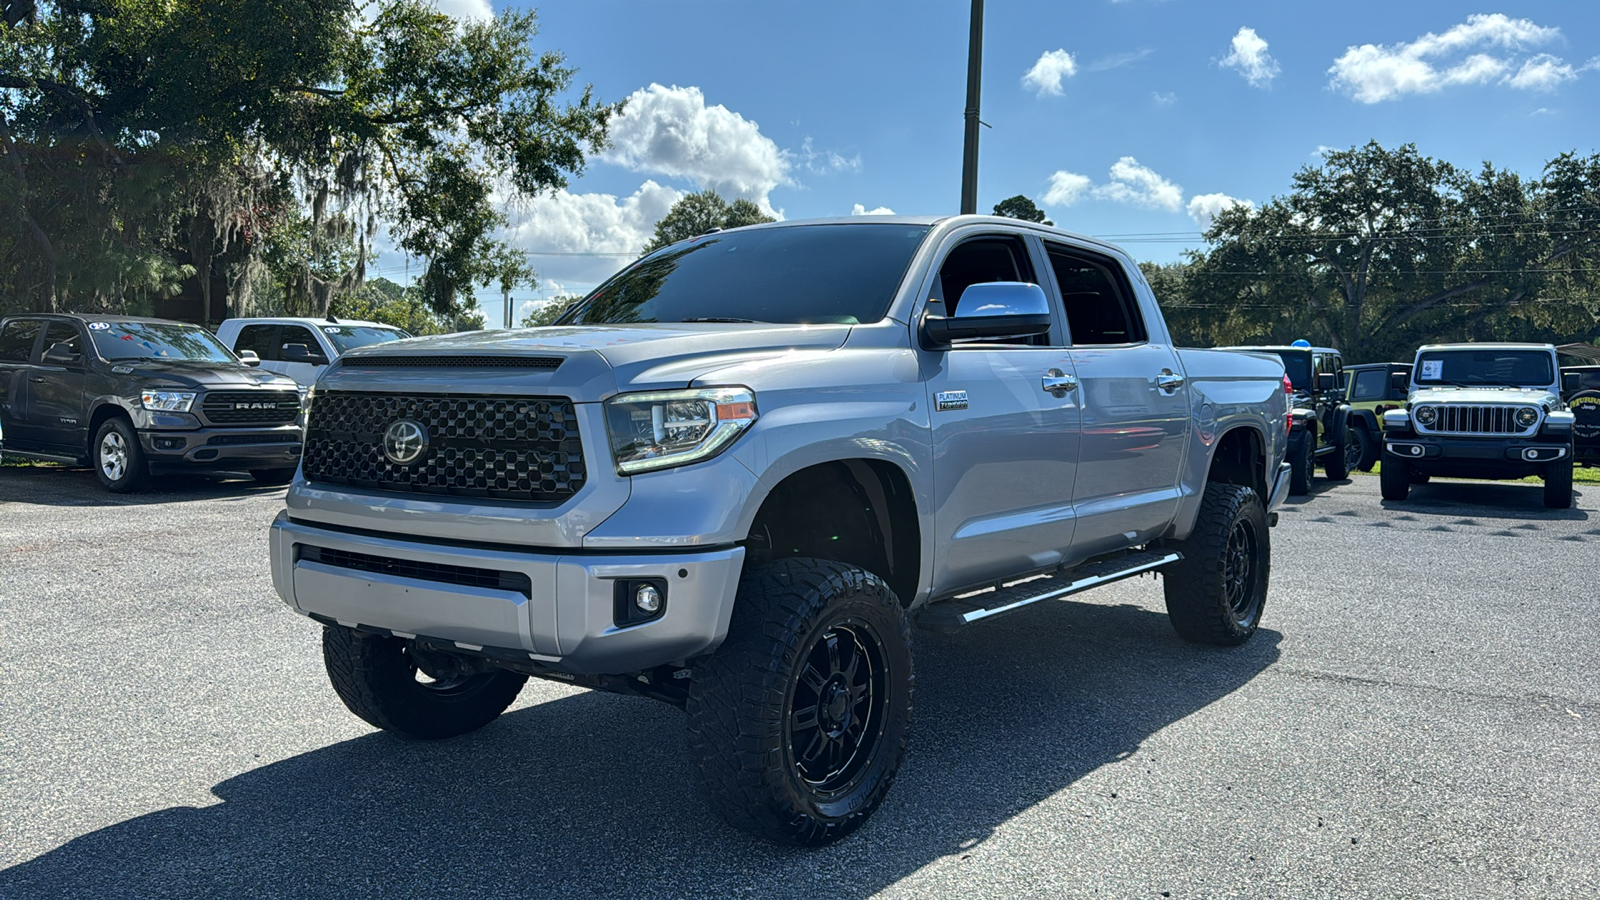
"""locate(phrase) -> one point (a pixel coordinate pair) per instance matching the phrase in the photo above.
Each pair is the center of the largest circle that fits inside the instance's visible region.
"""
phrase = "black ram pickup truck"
(130, 396)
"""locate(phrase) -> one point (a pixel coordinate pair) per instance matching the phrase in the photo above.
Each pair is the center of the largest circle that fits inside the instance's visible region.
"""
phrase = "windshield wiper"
(723, 319)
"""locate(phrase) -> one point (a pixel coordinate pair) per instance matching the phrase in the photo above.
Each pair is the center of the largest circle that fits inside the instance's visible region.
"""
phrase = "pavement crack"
(1548, 701)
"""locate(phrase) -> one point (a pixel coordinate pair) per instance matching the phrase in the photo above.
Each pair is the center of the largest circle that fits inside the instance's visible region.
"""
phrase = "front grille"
(1476, 420)
(225, 440)
(251, 407)
(508, 448)
(407, 568)
(451, 362)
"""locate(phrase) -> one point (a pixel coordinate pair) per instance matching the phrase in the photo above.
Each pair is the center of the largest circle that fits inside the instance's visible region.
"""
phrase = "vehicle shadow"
(591, 794)
(61, 485)
(1486, 499)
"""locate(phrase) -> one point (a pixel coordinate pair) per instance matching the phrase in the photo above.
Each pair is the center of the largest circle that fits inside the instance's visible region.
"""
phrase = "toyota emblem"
(404, 442)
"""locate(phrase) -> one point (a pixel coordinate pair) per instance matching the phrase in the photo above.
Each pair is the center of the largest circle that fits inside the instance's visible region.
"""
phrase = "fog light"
(648, 599)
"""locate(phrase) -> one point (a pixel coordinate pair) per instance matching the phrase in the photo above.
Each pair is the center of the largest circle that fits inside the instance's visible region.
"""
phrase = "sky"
(1129, 120)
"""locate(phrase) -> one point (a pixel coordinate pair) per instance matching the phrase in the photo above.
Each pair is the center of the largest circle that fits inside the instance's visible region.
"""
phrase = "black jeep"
(128, 396)
(1317, 435)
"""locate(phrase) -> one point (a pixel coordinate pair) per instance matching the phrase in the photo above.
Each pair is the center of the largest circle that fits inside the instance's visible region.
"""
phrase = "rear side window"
(16, 339)
(1098, 302)
(1371, 384)
(263, 339)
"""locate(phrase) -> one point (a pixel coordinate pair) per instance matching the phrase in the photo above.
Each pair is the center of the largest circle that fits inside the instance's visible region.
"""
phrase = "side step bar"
(965, 609)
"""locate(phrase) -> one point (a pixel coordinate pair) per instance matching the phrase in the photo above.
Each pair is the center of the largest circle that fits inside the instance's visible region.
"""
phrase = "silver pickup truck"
(733, 475)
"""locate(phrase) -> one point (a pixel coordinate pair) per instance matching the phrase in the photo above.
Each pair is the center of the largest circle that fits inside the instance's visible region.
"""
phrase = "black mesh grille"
(250, 407)
(232, 439)
(406, 568)
(510, 448)
(449, 362)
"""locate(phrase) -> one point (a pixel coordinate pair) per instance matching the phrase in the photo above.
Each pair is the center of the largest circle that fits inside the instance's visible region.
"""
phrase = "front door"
(303, 373)
(56, 392)
(1004, 449)
(18, 337)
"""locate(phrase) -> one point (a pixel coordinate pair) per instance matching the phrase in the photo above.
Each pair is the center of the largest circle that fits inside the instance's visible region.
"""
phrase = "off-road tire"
(1371, 448)
(273, 476)
(1301, 462)
(756, 759)
(1215, 595)
(1558, 484)
(1337, 466)
(376, 678)
(1394, 479)
(117, 459)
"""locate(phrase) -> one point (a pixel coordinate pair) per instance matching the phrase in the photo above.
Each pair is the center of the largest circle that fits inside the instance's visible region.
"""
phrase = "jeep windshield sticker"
(1433, 368)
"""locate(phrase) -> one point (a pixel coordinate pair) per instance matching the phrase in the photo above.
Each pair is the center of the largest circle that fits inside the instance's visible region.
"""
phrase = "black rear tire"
(1558, 484)
(392, 684)
(1371, 448)
(1337, 465)
(1301, 462)
(1216, 593)
(117, 458)
(798, 722)
(1395, 477)
(273, 476)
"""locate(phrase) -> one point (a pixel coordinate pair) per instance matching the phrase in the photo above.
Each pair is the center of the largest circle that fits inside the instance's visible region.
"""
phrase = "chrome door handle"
(1056, 383)
(1169, 382)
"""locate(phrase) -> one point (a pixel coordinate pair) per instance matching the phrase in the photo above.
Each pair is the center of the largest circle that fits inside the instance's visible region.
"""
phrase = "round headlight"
(1425, 415)
(1527, 416)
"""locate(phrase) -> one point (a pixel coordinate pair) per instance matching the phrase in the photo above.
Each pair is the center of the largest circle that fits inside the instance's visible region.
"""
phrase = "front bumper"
(1477, 457)
(223, 448)
(554, 608)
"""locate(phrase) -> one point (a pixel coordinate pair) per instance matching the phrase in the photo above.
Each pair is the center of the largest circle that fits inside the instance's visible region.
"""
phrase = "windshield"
(349, 337)
(1532, 368)
(801, 274)
(157, 340)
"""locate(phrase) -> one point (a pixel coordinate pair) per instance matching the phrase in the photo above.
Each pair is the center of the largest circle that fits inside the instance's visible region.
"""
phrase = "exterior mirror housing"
(62, 355)
(249, 358)
(300, 353)
(1327, 381)
(996, 309)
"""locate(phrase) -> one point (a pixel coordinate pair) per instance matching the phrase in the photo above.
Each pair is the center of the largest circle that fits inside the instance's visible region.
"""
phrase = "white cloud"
(1046, 74)
(466, 9)
(1372, 73)
(567, 224)
(1118, 60)
(859, 210)
(1164, 99)
(1141, 186)
(825, 161)
(1251, 58)
(1066, 188)
(1204, 208)
(671, 131)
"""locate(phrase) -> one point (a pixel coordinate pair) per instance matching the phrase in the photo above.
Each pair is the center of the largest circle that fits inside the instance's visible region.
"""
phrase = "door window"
(981, 261)
(16, 339)
(62, 333)
(1097, 299)
(296, 334)
(263, 339)
(1371, 384)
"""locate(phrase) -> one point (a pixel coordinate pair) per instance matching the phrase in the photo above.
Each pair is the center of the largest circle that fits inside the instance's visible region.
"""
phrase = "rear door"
(1005, 450)
(1134, 400)
(56, 390)
(18, 337)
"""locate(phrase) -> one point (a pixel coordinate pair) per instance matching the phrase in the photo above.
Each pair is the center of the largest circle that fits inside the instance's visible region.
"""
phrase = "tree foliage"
(549, 311)
(144, 145)
(382, 300)
(1020, 207)
(698, 213)
(1376, 251)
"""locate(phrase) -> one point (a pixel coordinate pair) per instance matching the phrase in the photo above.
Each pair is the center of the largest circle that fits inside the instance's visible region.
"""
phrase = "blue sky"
(1126, 119)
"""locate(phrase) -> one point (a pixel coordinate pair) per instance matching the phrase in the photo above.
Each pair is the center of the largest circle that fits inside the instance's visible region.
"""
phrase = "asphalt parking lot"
(1419, 716)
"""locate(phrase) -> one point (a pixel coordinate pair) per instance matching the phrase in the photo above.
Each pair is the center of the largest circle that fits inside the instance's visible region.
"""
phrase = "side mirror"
(249, 358)
(1327, 381)
(1399, 382)
(300, 353)
(1570, 382)
(62, 355)
(996, 309)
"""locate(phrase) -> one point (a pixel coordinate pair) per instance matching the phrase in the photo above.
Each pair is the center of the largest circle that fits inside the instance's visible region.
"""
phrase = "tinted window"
(295, 334)
(157, 340)
(1468, 367)
(1297, 365)
(349, 337)
(62, 333)
(1371, 384)
(16, 339)
(1098, 303)
(797, 274)
(260, 339)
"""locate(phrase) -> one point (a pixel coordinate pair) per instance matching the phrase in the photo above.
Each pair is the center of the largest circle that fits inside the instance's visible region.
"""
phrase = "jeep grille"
(246, 408)
(508, 448)
(1486, 420)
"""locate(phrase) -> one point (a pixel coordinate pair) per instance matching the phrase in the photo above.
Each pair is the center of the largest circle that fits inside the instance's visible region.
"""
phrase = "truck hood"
(181, 373)
(598, 360)
(1475, 396)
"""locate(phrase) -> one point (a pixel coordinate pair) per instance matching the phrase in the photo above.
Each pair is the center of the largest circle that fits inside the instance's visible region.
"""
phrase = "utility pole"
(969, 151)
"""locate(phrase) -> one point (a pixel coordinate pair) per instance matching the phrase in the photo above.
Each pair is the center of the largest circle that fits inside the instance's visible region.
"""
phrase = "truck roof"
(933, 221)
(306, 320)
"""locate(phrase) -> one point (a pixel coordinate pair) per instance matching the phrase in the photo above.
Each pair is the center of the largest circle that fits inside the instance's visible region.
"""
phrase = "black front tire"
(1338, 464)
(1558, 484)
(798, 723)
(391, 684)
(1301, 462)
(273, 476)
(118, 459)
(1216, 593)
(1394, 479)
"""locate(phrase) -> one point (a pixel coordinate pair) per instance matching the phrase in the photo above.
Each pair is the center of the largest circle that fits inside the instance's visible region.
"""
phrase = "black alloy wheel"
(837, 708)
(1357, 444)
(1238, 570)
(1216, 593)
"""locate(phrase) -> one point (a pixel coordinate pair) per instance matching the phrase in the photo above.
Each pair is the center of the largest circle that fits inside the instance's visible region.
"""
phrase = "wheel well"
(856, 511)
(1239, 459)
(103, 412)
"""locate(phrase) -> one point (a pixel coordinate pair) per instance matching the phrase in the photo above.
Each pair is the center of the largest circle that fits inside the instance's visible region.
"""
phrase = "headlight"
(1425, 415)
(1527, 416)
(662, 429)
(167, 401)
